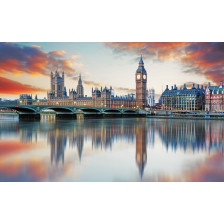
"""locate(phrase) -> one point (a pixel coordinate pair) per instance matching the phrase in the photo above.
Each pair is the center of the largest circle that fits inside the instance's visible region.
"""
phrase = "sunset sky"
(26, 67)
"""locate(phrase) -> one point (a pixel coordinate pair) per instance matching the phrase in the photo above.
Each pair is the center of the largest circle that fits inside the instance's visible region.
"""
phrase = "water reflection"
(195, 134)
(111, 150)
(141, 153)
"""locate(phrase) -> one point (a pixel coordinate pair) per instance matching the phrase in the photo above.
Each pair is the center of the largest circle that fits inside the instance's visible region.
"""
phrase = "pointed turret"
(80, 89)
(141, 63)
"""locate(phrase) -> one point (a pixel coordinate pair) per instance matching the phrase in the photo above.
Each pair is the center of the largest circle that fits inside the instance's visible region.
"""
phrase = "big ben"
(141, 85)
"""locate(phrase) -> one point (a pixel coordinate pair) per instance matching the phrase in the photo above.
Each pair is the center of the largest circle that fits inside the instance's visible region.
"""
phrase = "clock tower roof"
(141, 61)
(141, 66)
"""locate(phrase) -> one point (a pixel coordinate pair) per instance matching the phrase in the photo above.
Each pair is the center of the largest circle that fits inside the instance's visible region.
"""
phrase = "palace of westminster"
(103, 97)
(210, 98)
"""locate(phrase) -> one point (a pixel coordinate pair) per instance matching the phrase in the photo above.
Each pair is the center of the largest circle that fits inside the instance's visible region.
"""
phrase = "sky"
(26, 67)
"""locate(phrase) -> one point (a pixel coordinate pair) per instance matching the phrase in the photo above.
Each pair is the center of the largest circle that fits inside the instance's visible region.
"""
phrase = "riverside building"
(103, 97)
(214, 97)
(183, 98)
(25, 99)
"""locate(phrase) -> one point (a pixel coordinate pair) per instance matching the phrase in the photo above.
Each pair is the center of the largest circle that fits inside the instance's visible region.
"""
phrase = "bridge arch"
(19, 109)
(57, 109)
(89, 110)
(112, 111)
(130, 111)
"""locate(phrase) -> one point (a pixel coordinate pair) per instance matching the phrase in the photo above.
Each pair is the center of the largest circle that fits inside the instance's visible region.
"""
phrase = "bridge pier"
(92, 115)
(66, 116)
(30, 117)
(115, 115)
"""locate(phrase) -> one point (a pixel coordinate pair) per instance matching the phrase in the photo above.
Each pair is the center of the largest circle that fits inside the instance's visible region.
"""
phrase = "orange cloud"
(17, 59)
(58, 53)
(205, 59)
(161, 50)
(8, 86)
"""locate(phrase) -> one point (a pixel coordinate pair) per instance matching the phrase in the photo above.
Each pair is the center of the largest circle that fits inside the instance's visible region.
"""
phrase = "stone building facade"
(103, 97)
(25, 99)
(214, 97)
(183, 99)
(58, 89)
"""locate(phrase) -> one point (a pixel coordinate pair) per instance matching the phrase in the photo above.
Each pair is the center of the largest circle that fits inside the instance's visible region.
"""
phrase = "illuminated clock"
(138, 76)
(144, 76)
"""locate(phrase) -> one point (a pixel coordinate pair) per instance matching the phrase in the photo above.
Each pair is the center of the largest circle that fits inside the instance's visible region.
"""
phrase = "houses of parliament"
(103, 97)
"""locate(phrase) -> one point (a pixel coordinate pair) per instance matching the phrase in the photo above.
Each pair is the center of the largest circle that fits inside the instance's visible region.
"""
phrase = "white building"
(151, 97)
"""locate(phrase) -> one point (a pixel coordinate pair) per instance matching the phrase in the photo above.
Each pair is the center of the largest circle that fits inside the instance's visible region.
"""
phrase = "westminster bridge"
(72, 112)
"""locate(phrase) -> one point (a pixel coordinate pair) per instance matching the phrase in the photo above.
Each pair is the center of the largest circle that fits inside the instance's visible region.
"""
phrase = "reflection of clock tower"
(141, 152)
(141, 85)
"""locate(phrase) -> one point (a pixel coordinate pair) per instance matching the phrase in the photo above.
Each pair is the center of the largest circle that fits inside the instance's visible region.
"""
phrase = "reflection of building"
(80, 142)
(25, 99)
(58, 142)
(214, 97)
(183, 99)
(141, 153)
(141, 85)
(192, 135)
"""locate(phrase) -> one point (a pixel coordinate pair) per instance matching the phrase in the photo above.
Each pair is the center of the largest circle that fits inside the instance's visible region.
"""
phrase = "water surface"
(128, 149)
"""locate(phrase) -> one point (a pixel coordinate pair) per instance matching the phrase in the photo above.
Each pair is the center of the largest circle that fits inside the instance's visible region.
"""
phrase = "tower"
(57, 85)
(80, 90)
(141, 85)
(151, 97)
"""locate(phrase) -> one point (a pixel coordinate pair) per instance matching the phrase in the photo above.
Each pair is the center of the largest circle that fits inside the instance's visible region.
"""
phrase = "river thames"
(128, 149)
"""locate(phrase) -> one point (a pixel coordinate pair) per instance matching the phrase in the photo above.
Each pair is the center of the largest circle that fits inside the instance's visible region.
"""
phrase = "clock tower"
(141, 85)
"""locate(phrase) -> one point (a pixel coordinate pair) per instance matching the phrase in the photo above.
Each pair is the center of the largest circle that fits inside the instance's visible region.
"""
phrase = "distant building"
(25, 99)
(214, 97)
(183, 99)
(151, 97)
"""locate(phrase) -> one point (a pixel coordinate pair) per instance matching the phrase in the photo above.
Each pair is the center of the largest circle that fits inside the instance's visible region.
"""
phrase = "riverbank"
(186, 117)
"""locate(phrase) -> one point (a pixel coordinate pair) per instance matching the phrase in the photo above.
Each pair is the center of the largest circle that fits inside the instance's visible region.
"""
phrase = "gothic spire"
(141, 63)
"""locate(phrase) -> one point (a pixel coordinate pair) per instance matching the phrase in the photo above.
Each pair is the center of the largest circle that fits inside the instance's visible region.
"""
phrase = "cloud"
(8, 86)
(205, 59)
(160, 50)
(17, 59)
(127, 90)
(92, 83)
(57, 53)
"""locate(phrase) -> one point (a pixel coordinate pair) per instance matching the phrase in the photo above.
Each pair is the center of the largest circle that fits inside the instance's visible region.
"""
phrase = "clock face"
(144, 76)
(138, 76)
